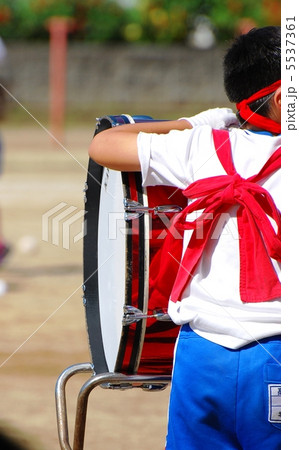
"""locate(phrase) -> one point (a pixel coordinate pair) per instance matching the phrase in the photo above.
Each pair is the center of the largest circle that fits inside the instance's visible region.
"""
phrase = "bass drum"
(129, 330)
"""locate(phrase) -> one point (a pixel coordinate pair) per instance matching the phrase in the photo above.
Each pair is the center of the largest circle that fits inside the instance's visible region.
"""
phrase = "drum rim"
(143, 245)
(90, 267)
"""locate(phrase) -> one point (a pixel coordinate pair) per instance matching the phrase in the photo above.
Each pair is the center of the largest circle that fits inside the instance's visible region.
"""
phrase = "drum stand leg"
(106, 380)
(60, 397)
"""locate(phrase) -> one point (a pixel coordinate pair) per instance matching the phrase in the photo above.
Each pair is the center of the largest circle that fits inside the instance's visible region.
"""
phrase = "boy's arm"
(116, 147)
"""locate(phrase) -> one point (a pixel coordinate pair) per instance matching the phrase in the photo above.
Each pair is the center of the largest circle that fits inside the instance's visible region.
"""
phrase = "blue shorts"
(224, 399)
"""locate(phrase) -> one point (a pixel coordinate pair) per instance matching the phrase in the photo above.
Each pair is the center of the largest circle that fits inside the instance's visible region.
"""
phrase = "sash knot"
(233, 191)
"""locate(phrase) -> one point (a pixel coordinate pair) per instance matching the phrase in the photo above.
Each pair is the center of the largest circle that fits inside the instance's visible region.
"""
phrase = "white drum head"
(111, 263)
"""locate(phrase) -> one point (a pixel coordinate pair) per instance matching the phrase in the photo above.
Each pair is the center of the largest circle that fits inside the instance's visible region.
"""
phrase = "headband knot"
(253, 117)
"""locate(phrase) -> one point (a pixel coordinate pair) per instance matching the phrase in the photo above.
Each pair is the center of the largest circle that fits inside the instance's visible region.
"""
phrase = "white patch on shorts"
(274, 405)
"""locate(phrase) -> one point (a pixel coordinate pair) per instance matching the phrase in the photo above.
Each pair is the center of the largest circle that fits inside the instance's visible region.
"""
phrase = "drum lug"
(134, 210)
(132, 315)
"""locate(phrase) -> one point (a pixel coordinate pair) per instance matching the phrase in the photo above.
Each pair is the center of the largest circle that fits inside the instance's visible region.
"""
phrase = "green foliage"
(104, 22)
(231, 16)
(149, 21)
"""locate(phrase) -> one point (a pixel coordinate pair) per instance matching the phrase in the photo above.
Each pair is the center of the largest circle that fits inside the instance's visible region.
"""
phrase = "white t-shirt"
(211, 303)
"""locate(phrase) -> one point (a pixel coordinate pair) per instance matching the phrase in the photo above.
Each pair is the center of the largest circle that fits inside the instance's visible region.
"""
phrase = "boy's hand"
(217, 118)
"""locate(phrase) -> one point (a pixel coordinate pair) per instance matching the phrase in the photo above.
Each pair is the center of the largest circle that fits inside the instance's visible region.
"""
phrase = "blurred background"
(146, 54)
(62, 64)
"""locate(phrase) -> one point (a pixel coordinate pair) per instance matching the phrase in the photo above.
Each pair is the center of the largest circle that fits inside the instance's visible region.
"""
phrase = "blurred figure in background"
(4, 248)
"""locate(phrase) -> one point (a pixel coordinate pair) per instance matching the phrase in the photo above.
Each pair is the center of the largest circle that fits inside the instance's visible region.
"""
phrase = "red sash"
(258, 241)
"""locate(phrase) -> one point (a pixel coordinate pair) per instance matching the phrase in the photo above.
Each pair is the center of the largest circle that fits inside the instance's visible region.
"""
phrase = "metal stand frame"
(105, 380)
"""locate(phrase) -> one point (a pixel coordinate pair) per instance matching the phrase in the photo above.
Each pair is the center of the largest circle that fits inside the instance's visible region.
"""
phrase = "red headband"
(256, 119)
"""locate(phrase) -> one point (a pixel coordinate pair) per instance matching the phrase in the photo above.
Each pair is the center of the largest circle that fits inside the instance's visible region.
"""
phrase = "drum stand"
(105, 380)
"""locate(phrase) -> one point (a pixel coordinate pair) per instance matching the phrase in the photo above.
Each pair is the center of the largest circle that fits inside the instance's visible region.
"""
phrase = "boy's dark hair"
(253, 62)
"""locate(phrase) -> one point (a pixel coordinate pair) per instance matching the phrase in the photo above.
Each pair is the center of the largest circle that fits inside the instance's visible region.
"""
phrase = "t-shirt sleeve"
(165, 158)
(173, 159)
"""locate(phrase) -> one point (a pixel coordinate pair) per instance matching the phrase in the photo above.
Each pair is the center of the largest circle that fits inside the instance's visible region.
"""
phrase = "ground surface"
(42, 318)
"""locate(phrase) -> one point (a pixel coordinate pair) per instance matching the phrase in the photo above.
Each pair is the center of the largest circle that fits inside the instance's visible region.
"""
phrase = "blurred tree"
(231, 17)
(133, 21)
(104, 21)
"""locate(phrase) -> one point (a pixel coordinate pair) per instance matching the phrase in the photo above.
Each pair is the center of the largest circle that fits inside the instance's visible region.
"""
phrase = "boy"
(226, 380)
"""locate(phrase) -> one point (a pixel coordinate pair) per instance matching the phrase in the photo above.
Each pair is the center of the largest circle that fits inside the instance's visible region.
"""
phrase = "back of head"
(252, 62)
